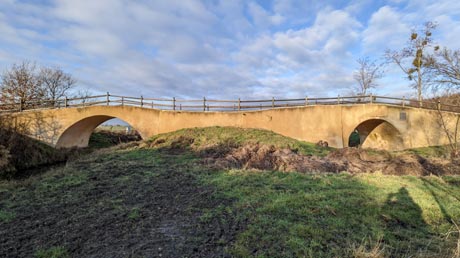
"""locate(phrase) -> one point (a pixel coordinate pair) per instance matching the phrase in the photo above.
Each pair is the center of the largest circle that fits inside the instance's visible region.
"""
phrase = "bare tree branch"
(24, 86)
(55, 83)
(446, 68)
(20, 84)
(367, 75)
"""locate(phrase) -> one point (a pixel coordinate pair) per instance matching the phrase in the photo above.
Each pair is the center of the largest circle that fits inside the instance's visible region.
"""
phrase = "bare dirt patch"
(353, 160)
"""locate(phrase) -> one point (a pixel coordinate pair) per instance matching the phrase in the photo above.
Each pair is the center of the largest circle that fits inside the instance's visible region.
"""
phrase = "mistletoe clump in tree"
(414, 59)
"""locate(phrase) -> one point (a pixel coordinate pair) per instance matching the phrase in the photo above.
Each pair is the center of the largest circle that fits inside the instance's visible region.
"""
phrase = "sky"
(222, 49)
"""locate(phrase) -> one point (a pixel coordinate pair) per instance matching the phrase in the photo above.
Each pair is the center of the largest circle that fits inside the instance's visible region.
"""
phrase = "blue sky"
(218, 48)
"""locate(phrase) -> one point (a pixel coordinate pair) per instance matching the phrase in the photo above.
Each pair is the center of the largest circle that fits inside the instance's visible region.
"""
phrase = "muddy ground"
(146, 205)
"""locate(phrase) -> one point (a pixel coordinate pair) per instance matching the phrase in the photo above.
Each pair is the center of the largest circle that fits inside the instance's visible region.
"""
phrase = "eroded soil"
(352, 160)
(145, 203)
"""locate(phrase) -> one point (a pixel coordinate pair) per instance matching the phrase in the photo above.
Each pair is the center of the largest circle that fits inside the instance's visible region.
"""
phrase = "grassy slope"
(432, 151)
(221, 135)
(26, 153)
(289, 214)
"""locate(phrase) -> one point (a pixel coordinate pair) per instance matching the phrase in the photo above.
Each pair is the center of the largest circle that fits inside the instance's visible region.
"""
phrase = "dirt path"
(138, 204)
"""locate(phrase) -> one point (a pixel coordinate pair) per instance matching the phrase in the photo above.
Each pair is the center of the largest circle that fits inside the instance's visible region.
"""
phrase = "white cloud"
(333, 32)
(262, 17)
(215, 48)
(386, 30)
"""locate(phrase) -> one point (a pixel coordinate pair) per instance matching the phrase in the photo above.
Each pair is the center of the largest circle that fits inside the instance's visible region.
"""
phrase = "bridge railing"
(205, 104)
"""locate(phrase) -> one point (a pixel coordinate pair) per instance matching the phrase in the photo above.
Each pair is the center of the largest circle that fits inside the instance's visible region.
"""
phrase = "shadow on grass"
(430, 186)
(405, 229)
(294, 215)
(326, 215)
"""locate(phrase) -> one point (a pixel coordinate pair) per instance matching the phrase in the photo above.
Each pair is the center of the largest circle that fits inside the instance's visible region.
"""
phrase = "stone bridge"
(383, 126)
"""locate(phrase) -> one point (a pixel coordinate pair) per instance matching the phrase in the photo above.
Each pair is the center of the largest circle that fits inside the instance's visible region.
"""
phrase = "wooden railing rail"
(205, 104)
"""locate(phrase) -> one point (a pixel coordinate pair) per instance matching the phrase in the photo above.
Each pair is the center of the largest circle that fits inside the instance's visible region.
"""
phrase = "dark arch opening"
(377, 134)
(78, 134)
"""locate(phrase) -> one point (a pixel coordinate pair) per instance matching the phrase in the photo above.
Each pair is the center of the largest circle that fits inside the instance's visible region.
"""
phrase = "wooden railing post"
(306, 100)
(239, 104)
(404, 101)
(273, 102)
(122, 100)
(372, 98)
(108, 98)
(152, 104)
(142, 101)
(439, 105)
(65, 102)
(174, 103)
(204, 103)
(338, 99)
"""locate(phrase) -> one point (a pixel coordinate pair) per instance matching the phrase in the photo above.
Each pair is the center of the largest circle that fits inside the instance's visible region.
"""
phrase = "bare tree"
(413, 60)
(20, 84)
(82, 96)
(451, 125)
(446, 72)
(367, 75)
(56, 83)
(447, 69)
(24, 86)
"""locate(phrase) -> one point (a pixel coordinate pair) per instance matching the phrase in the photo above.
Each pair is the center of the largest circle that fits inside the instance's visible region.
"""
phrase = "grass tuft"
(364, 250)
(53, 252)
(134, 214)
(6, 216)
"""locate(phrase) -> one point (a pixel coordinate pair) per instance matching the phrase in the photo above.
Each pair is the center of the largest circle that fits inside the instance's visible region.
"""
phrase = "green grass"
(99, 140)
(134, 213)
(295, 215)
(6, 216)
(66, 182)
(430, 152)
(216, 135)
(27, 153)
(53, 252)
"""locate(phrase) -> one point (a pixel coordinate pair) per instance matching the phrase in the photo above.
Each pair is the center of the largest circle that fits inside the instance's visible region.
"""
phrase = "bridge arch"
(78, 134)
(378, 134)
